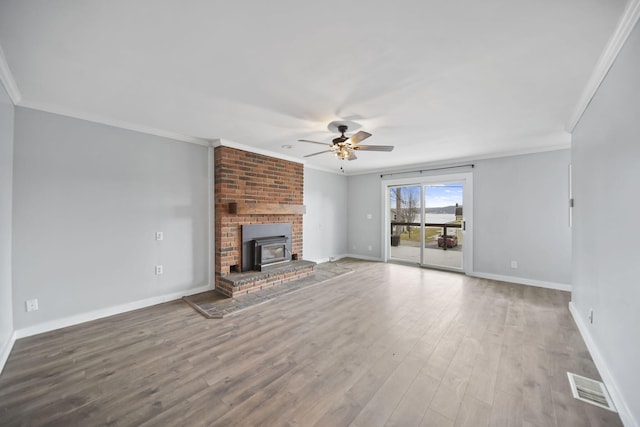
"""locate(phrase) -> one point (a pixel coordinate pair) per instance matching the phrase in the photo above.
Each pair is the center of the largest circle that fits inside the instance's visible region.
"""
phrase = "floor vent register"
(590, 391)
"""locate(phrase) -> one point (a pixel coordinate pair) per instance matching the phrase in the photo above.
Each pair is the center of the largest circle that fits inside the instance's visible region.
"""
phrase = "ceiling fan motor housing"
(342, 138)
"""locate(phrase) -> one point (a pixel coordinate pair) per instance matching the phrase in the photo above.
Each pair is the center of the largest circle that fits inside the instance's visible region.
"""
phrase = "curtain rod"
(428, 170)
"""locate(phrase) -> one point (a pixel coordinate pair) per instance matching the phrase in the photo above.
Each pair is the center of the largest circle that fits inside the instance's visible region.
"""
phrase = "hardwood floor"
(388, 345)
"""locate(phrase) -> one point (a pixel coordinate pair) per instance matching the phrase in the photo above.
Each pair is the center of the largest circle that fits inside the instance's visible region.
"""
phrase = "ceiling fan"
(345, 147)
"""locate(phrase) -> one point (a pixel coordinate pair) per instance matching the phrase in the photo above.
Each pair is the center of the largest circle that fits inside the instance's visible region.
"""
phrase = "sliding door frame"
(421, 181)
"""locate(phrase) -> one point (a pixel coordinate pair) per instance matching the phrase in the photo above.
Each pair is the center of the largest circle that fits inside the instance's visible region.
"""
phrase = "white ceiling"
(440, 80)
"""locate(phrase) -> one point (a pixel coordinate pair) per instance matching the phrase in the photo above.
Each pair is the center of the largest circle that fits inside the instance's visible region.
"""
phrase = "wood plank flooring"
(388, 345)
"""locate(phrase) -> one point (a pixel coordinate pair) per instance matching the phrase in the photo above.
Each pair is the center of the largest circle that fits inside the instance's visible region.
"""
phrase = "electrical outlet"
(159, 270)
(591, 315)
(159, 235)
(370, 247)
(369, 216)
(514, 264)
(31, 304)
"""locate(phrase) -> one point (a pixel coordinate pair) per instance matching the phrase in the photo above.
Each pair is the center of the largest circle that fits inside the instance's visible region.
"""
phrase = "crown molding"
(325, 169)
(9, 83)
(243, 147)
(466, 159)
(561, 141)
(96, 118)
(625, 27)
(563, 144)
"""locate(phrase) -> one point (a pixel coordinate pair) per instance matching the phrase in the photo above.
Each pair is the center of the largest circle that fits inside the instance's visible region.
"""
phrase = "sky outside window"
(443, 195)
(436, 195)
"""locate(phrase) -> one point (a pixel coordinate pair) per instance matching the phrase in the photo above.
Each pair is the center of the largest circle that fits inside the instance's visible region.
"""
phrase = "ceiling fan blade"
(314, 142)
(352, 156)
(374, 147)
(357, 137)
(315, 154)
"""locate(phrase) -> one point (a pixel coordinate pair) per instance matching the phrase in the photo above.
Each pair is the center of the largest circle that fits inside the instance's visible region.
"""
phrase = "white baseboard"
(104, 312)
(603, 368)
(6, 351)
(364, 257)
(522, 281)
(329, 259)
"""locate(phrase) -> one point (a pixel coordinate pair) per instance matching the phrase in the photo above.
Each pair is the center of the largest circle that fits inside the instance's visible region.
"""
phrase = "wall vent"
(590, 391)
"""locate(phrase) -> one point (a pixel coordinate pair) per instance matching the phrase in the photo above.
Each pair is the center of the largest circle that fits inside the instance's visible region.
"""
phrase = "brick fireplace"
(252, 188)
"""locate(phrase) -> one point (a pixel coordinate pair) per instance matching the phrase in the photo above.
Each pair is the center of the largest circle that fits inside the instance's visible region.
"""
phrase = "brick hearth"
(241, 283)
(248, 178)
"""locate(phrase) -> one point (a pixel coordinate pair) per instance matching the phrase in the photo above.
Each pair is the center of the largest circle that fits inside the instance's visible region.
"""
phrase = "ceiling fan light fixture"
(343, 151)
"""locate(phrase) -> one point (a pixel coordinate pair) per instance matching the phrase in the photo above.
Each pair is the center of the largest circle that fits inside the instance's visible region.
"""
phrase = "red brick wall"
(241, 176)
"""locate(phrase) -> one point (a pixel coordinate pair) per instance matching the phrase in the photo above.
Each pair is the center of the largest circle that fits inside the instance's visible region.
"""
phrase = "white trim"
(364, 257)
(104, 312)
(6, 351)
(323, 169)
(603, 368)
(96, 118)
(9, 83)
(607, 58)
(212, 216)
(323, 260)
(467, 159)
(523, 281)
(329, 259)
(238, 146)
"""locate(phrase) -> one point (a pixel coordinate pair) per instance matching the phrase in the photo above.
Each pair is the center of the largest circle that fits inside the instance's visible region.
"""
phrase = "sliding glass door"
(429, 222)
(443, 217)
(405, 228)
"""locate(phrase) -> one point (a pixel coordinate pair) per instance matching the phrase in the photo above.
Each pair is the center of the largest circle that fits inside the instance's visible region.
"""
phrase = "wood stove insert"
(269, 252)
(265, 246)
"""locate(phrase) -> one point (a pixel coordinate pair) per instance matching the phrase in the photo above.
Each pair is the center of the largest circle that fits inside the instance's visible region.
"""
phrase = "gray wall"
(365, 198)
(325, 226)
(606, 259)
(88, 199)
(520, 214)
(6, 177)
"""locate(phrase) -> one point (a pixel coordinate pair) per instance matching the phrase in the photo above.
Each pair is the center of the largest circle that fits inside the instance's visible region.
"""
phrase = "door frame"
(467, 203)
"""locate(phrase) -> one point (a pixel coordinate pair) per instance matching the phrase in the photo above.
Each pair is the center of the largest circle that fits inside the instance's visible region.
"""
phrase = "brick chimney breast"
(244, 178)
